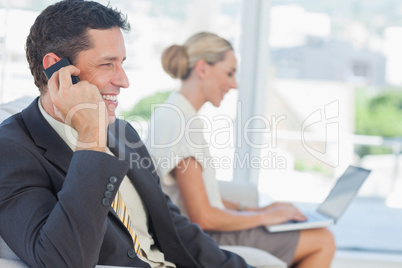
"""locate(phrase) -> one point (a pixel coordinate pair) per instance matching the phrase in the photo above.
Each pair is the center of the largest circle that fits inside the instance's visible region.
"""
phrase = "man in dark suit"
(64, 157)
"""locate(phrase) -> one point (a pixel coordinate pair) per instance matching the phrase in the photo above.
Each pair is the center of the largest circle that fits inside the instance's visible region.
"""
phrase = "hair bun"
(175, 61)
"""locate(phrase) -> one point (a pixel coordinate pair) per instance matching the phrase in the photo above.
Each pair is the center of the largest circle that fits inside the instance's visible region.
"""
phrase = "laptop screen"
(343, 192)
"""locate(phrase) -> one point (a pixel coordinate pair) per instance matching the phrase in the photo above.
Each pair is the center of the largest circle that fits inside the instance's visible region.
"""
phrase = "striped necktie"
(121, 211)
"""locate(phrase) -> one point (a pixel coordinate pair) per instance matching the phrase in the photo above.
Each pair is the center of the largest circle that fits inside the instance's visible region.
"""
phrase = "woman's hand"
(279, 212)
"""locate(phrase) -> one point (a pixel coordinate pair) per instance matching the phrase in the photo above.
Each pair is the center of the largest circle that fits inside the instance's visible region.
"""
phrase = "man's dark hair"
(62, 28)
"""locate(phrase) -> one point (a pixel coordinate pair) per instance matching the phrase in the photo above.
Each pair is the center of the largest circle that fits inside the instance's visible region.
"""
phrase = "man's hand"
(81, 107)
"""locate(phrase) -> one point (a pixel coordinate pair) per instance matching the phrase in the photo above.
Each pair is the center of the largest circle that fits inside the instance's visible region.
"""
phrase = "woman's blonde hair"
(179, 60)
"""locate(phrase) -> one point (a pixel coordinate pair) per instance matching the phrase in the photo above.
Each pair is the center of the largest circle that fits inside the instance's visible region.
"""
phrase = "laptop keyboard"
(310, 217)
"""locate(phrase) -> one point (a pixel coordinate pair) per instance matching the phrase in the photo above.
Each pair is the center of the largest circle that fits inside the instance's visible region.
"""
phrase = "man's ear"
(201, 68)
(49, 59)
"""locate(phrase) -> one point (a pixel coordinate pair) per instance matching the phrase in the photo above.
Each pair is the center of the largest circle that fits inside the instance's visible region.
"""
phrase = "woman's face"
(220, 78)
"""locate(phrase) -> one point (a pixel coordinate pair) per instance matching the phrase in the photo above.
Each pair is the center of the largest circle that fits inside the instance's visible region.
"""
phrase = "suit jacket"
(54, 211)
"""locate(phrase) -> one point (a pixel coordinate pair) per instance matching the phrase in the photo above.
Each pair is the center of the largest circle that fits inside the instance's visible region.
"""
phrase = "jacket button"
(113, 179)
(131, 254)
(110, 187)
(105, 202)
(108, 194)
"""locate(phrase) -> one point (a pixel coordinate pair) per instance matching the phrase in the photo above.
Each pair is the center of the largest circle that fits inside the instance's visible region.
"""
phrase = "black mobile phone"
(55, 67)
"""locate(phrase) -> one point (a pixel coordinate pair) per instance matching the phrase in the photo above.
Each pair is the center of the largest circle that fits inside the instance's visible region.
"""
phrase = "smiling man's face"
(101, 65)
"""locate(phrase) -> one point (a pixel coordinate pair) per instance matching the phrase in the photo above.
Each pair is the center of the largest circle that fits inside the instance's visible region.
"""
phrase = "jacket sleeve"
(50, 228)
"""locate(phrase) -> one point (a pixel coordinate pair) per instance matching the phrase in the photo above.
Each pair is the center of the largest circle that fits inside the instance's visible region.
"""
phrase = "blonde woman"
(206, 66)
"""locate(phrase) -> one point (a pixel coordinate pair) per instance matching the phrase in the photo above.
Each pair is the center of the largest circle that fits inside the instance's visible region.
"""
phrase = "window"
(329, 64)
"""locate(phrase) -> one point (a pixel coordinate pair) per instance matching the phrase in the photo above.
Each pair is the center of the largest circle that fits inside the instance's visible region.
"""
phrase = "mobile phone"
(57, 66)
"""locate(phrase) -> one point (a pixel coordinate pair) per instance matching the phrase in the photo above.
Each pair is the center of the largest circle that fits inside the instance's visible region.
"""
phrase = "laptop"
(338, 200)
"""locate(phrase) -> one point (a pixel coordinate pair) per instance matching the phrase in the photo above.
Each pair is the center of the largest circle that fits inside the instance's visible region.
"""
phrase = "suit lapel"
(55, 149)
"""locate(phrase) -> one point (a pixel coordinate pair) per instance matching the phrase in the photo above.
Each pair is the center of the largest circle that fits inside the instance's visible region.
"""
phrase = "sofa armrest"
(241, 191)
(6, 253)
(8, 259)
(10, 108)
(256, 257)
(6, 263)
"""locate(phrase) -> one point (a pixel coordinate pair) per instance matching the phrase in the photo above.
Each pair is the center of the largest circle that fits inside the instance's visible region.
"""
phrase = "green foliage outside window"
(144, 106)
(380, 115)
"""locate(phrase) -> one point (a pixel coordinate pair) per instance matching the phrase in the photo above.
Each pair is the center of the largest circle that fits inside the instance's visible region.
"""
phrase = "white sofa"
(235, 191)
